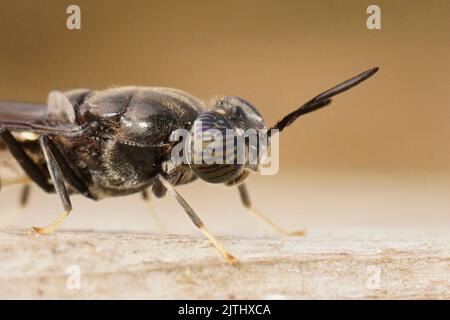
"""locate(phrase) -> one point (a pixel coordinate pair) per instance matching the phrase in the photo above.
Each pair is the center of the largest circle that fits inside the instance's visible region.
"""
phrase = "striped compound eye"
(215, 156)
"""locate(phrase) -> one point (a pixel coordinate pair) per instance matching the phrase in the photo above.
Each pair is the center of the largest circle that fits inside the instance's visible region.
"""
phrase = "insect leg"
(72, 176)
(58, 181)
(198, 223)
(146, 195)
(12, 182)
(23, 201)
(24, 196)
(28, 165)
(245, 198)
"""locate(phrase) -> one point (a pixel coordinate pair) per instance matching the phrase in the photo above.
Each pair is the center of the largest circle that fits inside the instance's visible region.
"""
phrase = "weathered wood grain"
(149, 266)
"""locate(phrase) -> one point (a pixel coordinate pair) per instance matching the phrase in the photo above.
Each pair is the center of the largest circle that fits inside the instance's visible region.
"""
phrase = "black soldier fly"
(116, 142)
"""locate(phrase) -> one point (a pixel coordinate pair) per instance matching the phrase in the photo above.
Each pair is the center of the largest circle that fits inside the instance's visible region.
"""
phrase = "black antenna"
(322, 99)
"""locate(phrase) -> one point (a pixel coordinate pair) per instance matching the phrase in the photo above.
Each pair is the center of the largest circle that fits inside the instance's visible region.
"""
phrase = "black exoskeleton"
(117, 142)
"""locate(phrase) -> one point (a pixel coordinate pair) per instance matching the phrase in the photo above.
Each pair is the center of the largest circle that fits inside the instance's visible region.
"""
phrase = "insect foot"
(51, 227)
(232, 260)
(37, 230)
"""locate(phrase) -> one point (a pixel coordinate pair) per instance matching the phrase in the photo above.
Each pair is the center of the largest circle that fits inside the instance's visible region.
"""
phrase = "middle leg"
(245, 198)
(24, 198)
(58, 182)
(146, 196)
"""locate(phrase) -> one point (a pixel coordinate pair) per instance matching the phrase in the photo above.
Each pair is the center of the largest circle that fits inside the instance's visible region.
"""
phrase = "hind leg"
(33, 172)
(31, 169)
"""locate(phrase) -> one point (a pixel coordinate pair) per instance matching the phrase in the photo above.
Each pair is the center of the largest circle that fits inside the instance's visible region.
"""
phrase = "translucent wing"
(32, 117)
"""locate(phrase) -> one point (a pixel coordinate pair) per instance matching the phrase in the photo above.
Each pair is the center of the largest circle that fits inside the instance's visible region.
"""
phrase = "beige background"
(377, 158)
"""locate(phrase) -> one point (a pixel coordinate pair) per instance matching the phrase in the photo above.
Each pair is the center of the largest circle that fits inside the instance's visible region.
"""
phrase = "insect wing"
(31, 117)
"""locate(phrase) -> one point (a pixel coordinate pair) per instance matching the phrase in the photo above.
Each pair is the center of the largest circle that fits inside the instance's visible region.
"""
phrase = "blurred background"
(378, 158)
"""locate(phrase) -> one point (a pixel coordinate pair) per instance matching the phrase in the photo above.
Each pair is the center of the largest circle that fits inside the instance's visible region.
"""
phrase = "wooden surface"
(125, 265)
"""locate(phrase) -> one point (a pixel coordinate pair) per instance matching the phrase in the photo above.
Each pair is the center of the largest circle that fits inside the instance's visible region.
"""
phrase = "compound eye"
(214, 154)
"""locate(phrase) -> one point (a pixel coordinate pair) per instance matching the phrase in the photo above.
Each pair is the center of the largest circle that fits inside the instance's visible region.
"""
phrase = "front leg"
(243, 193)
(198, 222)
